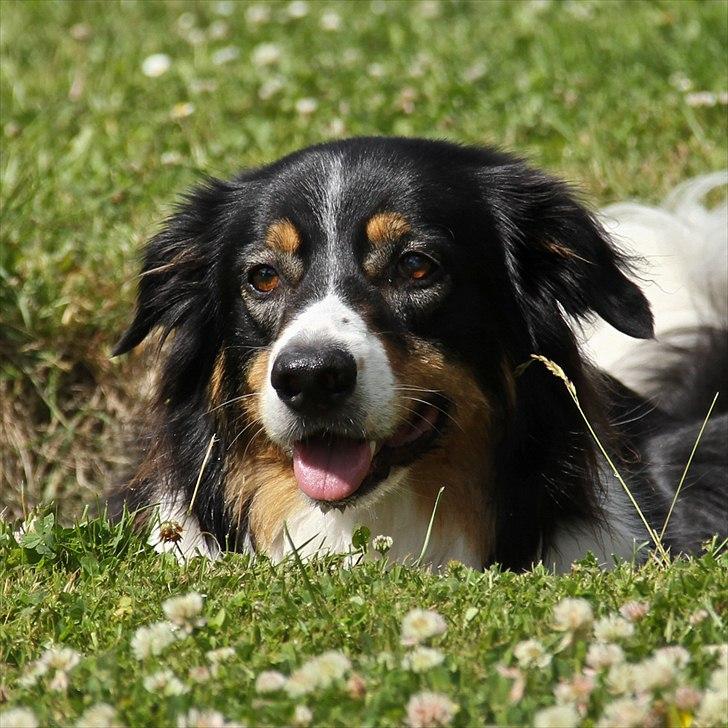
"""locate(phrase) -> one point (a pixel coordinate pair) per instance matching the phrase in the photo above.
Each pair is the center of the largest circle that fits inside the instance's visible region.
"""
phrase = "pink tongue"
(331, 471)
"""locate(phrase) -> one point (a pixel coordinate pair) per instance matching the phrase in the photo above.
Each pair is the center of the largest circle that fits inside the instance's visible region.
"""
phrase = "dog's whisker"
(231, 401)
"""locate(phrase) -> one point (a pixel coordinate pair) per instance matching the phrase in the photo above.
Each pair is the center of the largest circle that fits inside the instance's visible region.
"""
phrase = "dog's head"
(361, 305)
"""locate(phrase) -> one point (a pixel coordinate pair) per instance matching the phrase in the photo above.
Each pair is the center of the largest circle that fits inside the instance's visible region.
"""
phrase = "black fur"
(522, 257)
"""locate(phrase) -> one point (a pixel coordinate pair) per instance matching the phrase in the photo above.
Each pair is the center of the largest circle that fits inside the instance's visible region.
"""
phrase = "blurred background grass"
(624, 98)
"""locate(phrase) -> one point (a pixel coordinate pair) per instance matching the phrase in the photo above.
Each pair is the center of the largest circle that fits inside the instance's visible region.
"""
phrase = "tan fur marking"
(461, 460)
(260, 479)
(283, 236)
(216, 379)
(385, 227)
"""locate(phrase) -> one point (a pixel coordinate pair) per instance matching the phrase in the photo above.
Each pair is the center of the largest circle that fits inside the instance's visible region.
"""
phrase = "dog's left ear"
(556, 249)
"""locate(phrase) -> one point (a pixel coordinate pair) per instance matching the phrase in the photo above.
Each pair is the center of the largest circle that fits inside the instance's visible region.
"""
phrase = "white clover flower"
(270, 681)
(654, 672)
(557, 716)
(302, 715)
(621, 678)
(422, 659)
(302, 681)
(306, 106)
(182, 110)
(218, 29)
(680, 81)
(152, 639)
(331, 666)
(427, 709)
(698, 616)
(475, 72)
(195, 36)
(164, 682)
(18, 718)
(59, 683)
(575, 691)
(199, 674)
(196, 718)
(331, 21)
(718, 680)
(32, 673)
(634, 611)
(701, 98)
(687, 698)
(60, 658)
(101, 715)
(337, 127)
(257, 14)
(266, 54)
(171, 158)
(602, 655)
(270, 88)
(80, 32)
(419, 625)
(625, 713)
(350, 56)
(376, 70)
(612, 628)
(224, 7)
(184, 611)
(318, 672)
(674, 654)
(225, 55)
(713, 710)
(222, 654)
(380, 543)
(531, 653)
(573, 615)
(156, 65)
(429, 8)
(297, 9)
(186, 22)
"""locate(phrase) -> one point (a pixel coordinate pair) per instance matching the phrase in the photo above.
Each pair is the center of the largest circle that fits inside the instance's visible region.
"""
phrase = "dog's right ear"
(177, 273)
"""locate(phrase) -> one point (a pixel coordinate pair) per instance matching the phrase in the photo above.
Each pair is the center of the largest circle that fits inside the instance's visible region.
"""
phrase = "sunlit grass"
(95, 147)
(501, 651)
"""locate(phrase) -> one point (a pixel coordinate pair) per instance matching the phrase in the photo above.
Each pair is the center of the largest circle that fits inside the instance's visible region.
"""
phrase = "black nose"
(311, 380)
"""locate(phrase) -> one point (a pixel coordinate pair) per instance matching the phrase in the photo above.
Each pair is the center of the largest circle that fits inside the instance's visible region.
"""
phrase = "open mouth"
(333, 470)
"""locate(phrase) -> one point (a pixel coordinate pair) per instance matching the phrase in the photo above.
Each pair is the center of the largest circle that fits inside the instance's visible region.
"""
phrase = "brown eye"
(264, 278)
(416, 267)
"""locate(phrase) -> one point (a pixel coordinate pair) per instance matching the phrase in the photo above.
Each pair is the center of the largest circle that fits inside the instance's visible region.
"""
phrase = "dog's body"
(350, 328)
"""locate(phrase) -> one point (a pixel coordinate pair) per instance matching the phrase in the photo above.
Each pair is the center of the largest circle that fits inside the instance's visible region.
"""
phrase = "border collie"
(346, 331)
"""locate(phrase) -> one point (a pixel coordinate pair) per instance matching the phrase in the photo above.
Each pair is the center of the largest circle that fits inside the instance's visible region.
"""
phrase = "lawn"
(506, 652)
(625, 99)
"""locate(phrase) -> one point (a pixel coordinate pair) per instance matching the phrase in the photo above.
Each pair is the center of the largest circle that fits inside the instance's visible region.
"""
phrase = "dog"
(347, 338)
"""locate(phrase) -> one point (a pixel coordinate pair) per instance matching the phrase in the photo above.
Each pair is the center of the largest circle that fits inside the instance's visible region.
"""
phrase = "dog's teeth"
(373, 447)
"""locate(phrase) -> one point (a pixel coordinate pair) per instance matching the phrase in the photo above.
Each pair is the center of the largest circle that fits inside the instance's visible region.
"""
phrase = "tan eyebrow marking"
(282, 235)
(386, 227)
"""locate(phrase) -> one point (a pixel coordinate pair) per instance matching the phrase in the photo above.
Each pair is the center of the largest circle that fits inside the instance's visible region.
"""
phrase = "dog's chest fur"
(401, 512)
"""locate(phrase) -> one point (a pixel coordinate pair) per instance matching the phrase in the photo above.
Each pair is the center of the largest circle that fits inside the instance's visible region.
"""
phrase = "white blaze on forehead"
(331, 322)
(332, 198)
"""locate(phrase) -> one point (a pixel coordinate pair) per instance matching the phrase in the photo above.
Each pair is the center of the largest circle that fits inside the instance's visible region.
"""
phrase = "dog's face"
(364, 304)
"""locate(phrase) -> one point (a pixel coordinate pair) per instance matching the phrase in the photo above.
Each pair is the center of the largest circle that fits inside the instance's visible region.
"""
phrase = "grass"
(90, 586)
(93, 154)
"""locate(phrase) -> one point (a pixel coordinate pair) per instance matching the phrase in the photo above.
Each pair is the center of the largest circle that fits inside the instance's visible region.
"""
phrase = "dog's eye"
(416, 267)
(264, 278)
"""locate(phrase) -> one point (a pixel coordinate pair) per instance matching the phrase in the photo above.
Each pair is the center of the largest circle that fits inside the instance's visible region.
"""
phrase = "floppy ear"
(176, 277)
(556, 249)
